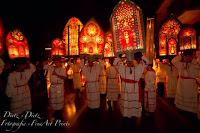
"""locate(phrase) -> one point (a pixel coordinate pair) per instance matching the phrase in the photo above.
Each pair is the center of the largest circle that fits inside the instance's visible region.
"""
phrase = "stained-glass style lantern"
(187, 38)
(75, 26)
(92, 38)
(108, 50)
(168, 37)
(57, 47)
(17, 44)
(127, 27)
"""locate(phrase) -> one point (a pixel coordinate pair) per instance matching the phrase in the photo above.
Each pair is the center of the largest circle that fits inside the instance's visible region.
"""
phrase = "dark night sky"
(43, 20)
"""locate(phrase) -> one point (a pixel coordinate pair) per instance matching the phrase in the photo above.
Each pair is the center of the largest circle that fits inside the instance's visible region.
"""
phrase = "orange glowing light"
(17, 44)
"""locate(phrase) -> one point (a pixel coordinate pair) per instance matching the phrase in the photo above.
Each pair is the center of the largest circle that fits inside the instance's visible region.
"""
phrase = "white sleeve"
(46, 67)
(177, 62)
(118, 66)
(10, 86)
(30, 71)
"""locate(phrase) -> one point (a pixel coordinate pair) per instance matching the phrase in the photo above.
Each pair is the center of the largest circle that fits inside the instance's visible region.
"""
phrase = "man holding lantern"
(130, 74)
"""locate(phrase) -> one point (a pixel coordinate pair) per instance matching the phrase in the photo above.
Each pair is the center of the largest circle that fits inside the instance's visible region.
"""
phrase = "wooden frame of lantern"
(108, 49)
(168, 38)
(127, 28)
(17, 44)
(58, 48)
(74, 25)
(92, 39)
(188, 38)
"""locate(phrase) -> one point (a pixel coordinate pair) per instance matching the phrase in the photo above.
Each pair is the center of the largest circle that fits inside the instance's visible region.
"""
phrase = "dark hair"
(188, 52)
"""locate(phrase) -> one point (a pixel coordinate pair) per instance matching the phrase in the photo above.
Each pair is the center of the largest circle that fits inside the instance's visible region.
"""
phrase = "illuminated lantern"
(168, 37)
(108, 50)
(75, 26)
(150, 46)
(17, 44)
(92, 39)
(187, 38)
(127, 27)
(57, 47)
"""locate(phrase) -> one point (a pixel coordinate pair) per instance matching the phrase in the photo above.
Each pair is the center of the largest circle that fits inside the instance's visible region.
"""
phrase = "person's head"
(138, 56)
(149, 67)
(129, 63)
(188, 56)
(57, 61)
(62, 59)
(74, 60)
(20, 63)
(90, 60)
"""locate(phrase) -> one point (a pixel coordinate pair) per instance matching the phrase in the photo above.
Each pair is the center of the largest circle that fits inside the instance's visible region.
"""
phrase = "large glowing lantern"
(168, 37)
(187, 38)
(92, 39)
(74, 25)
(127, 27)
(57, 47)
(108, 50)
(17, 44)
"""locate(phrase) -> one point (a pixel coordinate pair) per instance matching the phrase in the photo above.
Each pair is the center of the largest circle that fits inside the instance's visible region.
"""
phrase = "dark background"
(41, 21)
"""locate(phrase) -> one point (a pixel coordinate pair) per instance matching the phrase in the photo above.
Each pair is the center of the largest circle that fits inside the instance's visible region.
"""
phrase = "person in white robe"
(112, 85)
(150, 90)
(17, 88)
(130, 98)
(57, 76)
(102, 80)
(76, 74)
(171, 79)
(186, 96)
(161, 80)
(92, 72)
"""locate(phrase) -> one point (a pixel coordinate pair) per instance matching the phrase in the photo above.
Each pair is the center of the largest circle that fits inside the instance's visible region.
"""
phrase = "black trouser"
(161, 89)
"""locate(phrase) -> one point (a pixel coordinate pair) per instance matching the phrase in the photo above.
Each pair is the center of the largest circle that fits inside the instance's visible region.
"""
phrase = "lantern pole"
(68, 42)
(78, 39)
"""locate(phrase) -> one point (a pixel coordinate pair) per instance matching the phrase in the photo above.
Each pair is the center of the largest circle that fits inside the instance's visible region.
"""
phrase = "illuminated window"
(187, 38)
(108, 50)
(91, 39)
(172, 46)
(17, 44)
(127, 26)
(168, 36)
(75, 26)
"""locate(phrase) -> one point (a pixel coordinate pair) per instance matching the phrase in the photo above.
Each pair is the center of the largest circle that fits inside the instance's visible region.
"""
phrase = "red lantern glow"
(108, 50)
(75, 26)
(187, 38)
(169, 36)
(91, 39)
(57, 47)
(172, 47)
(127, 27)
(17, 44)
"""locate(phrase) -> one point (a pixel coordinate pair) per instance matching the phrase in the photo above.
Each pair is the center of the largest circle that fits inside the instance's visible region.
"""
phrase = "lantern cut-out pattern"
(91, 39)
(17, 44)
(75, 26)
(168, 37)
(108, 50)
(127, 27)
(187, 38)
(57, 47)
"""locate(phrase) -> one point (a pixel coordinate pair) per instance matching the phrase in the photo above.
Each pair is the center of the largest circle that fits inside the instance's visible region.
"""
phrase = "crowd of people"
(123, 75)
